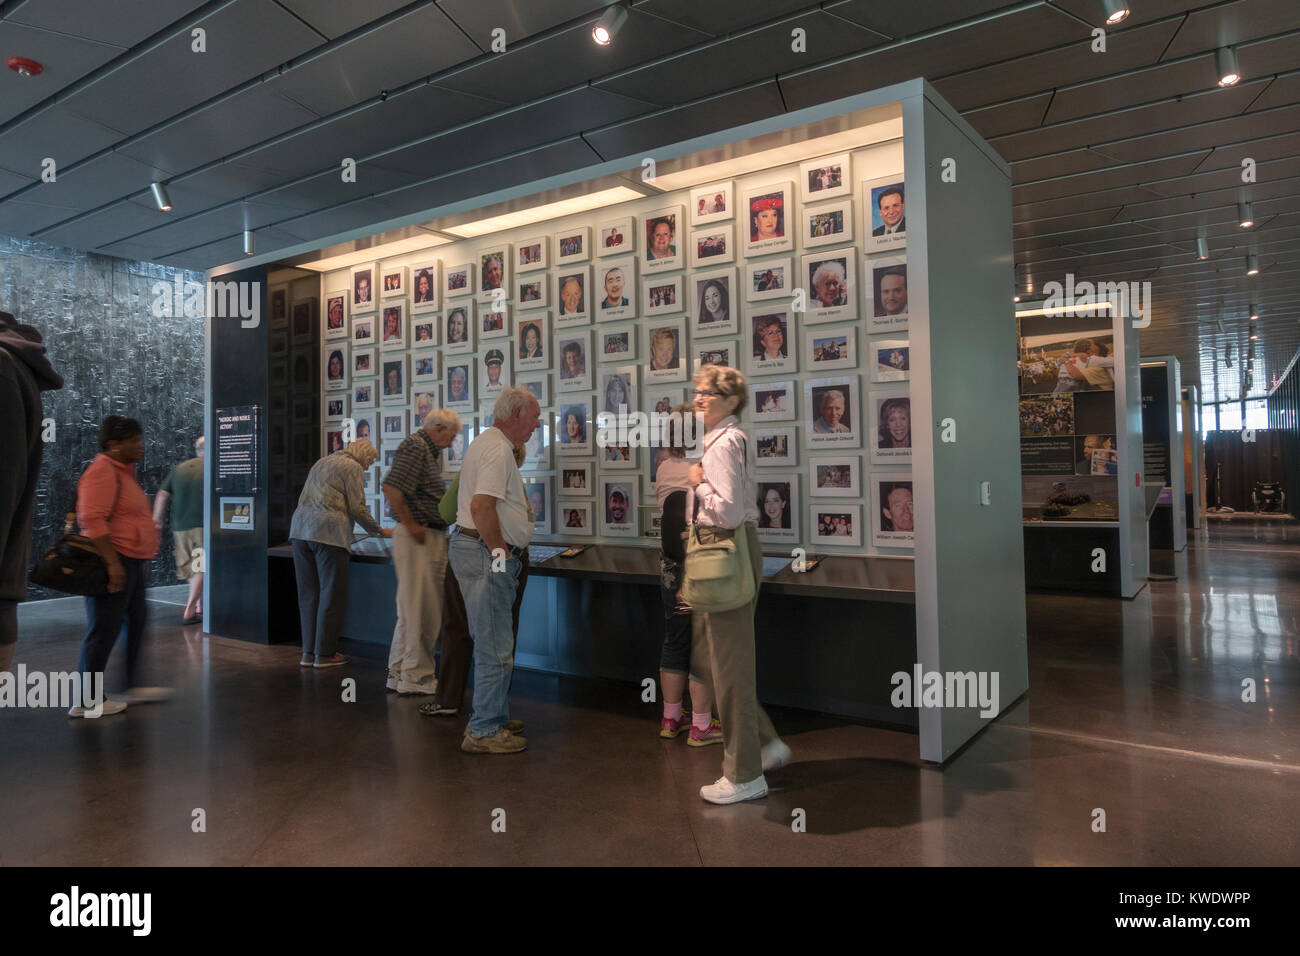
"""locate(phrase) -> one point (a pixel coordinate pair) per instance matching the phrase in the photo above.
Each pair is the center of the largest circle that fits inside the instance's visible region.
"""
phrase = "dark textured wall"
(1284, 416)
(117, 358)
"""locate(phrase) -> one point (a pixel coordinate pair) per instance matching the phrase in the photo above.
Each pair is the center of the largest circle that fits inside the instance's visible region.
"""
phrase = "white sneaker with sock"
(724, 791)
(110, 707)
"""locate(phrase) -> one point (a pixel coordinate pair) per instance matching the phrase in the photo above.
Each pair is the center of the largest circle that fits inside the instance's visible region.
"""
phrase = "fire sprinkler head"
(23, 66)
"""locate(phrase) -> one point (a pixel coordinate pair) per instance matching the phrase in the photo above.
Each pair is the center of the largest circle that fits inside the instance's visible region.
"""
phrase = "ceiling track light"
(1246, 214)
(1202, 248)
(248, 242)
(1116, 11)
(1225, 60)
(610, 22)
(160, 197)
(1254, 312)
(1252, 264)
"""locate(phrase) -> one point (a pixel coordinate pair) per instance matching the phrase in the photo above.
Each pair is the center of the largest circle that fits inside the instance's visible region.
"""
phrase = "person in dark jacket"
(25, 372)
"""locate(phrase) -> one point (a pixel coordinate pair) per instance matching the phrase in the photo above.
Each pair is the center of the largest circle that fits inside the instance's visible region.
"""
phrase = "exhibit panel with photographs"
(886, 280)
(778, 507)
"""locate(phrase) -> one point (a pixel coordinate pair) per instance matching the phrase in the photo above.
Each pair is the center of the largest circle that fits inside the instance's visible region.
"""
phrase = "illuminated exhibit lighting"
(1226, 61)
(1116, 11)
(1245, 213)
(160, 197)
(1252, 265)
(609, 24)
(1202, 248)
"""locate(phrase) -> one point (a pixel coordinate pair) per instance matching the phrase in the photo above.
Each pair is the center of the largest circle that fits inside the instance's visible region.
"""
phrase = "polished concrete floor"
(1134, 708)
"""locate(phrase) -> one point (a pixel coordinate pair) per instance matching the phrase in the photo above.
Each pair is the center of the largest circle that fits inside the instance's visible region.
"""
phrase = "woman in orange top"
(113, 512)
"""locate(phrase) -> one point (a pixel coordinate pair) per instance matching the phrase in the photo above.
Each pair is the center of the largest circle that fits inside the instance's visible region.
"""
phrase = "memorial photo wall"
(796, 275)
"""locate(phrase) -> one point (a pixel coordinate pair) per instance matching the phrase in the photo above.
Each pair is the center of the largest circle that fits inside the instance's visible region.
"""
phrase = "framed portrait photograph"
(459, 333)
(665, 350)
(392, 280)
(884, 219)
(831, 347)
(364, 363)
(617, 457)
(334, 407)
(533, 254)
(835, 477)
(392, 327)
(572, 296)
(832, 291)
(367, 427)
(575, 518)
(832, 407)
(280, 342)
(825, 178)
(425, 282)
(573, 426)
(573, 245)
(458, 280)
(494, 273)
(303, 317)
(713, 246)
(713, 203)
(615, 289)
(332, 439)
(891, 425)
(663, 240)
(769, 224)
(537, 489)
(776, 447)
(892, 509)
(573, 358)
(532, 291)
(363, 288)
(618, 500)
(277, 297)
(661, 399)
(771, 342)
(538, 385)
(616, 343)
(618, 390)
(778, 507)
(661, 295)
(532, 341)
(616, 237)
(424, 368)
(336, 314)
(891, 360)
(392, 424)
(713, 301)
(773, 402)
(827, 224)
(537, 450)
(835, 525)
(363, 330)
(716, 352)
(460, 384)
(493, 323)
(424, 331)
(453, 456)
(494, 373)
(334, 359)
(423, 402)
(363, 395)
(393, 380)
(576, 479)
(304, 372)
(887, 310)
(769, 279)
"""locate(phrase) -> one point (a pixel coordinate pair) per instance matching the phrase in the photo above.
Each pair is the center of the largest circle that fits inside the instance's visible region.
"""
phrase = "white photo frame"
(458, 280)
(773, 401)
(334, 406)
(616, 237)
(459, 374)
(532, 342)
(619, 497)
(828, 347)
(332, 438)
(713, 303)
(892, 509)
(769, 279)
(493, 323)
(715, 352)
(426, 286)
(494, 273)
(835, 525)
(617, 385)
(891, 360)
(572, 245)
(827, 224)
(573, 358)
(614, 288)
(830, 277)
(458, 332)
(887, 305)
(393, 327)
(336, 314)
(661, 398)
(575, 480)
(573, 296)
(304, 314)
(277, 302)
(713, 203)
(537, 490)
(533, 254)
(393, 425)
(665, 231)
(489, 386)
(778, 507)
(890, 437)
(616, 343)
(666, 362)
(826, 178)
(532, 290)
(575, 518)
(453, 456)
(424, 330)
(363, 394)
(661, 295)
(423, 401)
(365, 294)
(573, 426)
(713, 246)
(878, 217)
(392, 281)
(394, 391)
(334, 366)
(537, 450)
(618, 457)
(769, 223)
(363, 329)
(833, 411)
(367, 427)
(776, 446)
(424, 368)
(835, 476)
(771, 341)
(538, 385)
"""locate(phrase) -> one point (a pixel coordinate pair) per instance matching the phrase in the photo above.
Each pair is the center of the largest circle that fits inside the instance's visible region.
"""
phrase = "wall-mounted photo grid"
(796, 275)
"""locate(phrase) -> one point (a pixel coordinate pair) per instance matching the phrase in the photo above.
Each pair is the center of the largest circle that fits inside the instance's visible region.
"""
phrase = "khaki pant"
(722, 655)
(421, 569)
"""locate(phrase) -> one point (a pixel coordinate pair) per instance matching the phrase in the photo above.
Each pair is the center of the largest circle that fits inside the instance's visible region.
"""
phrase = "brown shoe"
(516, 727)
(502, 742)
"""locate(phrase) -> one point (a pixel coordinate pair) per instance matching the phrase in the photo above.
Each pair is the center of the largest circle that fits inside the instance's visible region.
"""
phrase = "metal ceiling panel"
(741, 60)
(12, 182)
(98, 228)
(21, 218)
(59, 134)
(328, 189)
(1140, 173)
(227, 127)
(1155, 83)
(217, 185)
(1264, 148)
(1138, 121)
(1236, 129)
(761, 101)
(66, 59)
(1097, 218)
(1283, 91)
(568, 58)
(362, 214)
(479, 18)
(334, 18)
(229, 249)
(1010, 117)
(899, 20)
(1059, 164)
(415, 45)
(1230, 179)
(191, 231)
(1142, 12)
(1074, 62)
(722, 17)
(997, 39)
(244, 39)
(123, 23)
(1228, 24)
(1112, 199)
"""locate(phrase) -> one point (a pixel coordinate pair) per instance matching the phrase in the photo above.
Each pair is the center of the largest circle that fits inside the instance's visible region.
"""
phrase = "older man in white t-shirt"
(493, 525)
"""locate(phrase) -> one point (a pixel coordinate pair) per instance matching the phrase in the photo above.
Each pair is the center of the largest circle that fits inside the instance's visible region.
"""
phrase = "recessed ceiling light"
(1116, 11)
(1225, 59)
(1245, 213)
(610, 22)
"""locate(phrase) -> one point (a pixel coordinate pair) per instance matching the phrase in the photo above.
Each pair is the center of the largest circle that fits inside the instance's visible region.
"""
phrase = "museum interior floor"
(1135, 708)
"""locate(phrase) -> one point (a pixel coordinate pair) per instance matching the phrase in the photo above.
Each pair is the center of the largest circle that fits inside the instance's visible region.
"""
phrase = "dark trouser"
(675, 657)
(457, 645)
(322, 572)
(8, 632)
(105, 616)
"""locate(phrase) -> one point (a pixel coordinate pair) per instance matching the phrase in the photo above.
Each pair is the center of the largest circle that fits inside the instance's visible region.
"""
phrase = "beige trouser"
(421, 570)
(722, 655)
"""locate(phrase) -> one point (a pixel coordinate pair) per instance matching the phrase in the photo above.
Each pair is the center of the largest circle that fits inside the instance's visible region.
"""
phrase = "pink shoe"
(669, 729)
(702, 738)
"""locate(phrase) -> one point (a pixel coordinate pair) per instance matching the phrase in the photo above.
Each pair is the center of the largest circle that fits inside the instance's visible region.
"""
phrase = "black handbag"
(74, 565)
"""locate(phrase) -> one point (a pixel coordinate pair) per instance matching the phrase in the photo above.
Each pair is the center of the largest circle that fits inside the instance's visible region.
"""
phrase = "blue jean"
(106, 616)
(489, 596)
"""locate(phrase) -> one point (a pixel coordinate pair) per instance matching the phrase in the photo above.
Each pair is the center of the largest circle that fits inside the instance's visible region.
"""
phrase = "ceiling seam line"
(1178, 30)
(324, 38)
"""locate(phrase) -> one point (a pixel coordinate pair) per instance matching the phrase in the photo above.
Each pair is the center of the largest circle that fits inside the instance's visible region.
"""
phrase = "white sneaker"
(775, 755)
(724, 791)
(110, 707)
(146, 695)
(406, 687)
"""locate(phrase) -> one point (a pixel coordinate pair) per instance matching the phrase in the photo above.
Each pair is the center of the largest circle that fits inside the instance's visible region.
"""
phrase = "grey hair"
(442, 416)
(510, 403)
(825, 269)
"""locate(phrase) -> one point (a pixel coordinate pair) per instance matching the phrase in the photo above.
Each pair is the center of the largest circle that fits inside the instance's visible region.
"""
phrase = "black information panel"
(237, 471)
(1155, 425)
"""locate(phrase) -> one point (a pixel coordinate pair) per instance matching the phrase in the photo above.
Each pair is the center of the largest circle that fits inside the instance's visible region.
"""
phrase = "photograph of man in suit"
(890, 202)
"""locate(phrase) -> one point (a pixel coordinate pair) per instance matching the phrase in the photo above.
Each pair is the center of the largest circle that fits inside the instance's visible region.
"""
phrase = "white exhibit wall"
(1135, 555)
